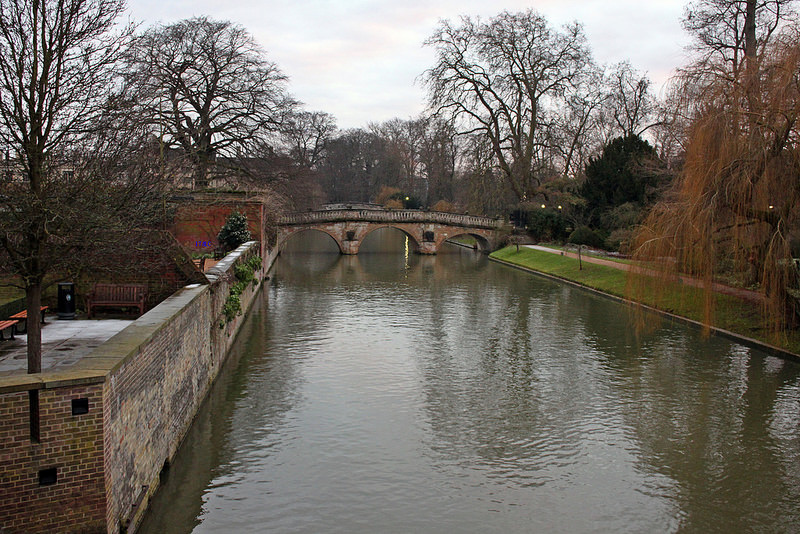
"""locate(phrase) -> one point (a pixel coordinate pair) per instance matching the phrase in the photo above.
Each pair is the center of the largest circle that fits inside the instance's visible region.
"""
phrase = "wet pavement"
(64, 342)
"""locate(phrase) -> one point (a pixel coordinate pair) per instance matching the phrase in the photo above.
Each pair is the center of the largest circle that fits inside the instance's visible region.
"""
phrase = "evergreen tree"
(234, 232)
(627, 172)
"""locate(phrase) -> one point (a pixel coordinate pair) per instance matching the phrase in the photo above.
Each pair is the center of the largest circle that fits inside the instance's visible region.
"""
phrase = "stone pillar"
(350, 247)
(427, 247)
(351, 238)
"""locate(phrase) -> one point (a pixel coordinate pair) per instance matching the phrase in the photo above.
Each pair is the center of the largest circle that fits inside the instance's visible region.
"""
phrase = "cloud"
(359, 59)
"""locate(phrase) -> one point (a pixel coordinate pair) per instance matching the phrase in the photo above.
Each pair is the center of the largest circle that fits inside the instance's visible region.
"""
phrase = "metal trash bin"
(66, 300)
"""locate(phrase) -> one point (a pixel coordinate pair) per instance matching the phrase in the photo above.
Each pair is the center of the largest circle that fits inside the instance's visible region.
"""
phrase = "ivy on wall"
(245, 274)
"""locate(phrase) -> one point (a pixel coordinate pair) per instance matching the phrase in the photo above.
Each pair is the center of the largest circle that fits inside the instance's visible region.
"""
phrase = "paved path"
(745, 294)
(64, 342)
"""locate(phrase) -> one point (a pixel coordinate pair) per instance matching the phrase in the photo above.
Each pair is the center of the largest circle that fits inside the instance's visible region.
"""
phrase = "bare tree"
(358, 163)
(632, 105)
(306, 133)
(576, 132)
(427, 151)
(727, 32)
(438, 154)
(498, 78)
(207, 88)
(403, 139)
(56, 59)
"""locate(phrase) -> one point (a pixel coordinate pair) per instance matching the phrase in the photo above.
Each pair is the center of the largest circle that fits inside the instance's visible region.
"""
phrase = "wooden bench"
(22, 320)
(9, 325)
(200, 263)
(116, 296)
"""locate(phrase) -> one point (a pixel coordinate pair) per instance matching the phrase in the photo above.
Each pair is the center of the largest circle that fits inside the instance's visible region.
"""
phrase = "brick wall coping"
(225, 263)
(49, 380)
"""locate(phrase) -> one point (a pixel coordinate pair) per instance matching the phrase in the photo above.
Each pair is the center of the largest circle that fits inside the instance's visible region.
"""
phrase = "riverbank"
(734, 316)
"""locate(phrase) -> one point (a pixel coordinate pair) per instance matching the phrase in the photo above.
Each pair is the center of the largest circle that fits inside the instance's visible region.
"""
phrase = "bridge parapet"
(392, 216)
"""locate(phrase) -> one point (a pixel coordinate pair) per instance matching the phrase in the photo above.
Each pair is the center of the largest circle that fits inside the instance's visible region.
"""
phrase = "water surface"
(389, 392)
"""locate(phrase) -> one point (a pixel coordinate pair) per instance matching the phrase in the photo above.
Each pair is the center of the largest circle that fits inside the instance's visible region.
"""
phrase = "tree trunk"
(751, 81)
(750, 31)
(201, 172)
(33, 298)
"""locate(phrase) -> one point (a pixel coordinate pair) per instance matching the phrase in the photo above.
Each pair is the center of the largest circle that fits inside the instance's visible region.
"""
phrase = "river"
(390, 392)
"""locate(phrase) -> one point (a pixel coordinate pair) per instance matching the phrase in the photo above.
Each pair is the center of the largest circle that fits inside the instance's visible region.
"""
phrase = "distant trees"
(426, 149)
(72, 175)
(499, 78)
(357, 164)
(306, 135)
(416, 156)
(207, 89)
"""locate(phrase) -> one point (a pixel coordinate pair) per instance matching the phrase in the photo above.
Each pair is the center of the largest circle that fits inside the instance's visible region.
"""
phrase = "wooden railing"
(391, 216)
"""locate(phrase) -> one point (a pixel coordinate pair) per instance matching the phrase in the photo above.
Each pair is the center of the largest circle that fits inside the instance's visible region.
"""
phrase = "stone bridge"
(427, 230)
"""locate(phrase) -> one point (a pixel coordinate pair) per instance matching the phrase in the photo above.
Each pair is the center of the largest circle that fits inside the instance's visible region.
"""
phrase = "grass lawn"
(730, 313)
(10, 300)
(10, 294)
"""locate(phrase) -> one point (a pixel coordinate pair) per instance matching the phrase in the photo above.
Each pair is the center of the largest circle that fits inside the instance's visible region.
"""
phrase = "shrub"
(243, 272)
(546, 225)
(444, 206)
(583, 235)
(620, 240)
(232, 307)
(254, 262)
(234, 232)
(385, 194)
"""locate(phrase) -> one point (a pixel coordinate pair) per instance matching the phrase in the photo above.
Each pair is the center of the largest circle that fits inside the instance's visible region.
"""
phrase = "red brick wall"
(73, 444)
(198, 221)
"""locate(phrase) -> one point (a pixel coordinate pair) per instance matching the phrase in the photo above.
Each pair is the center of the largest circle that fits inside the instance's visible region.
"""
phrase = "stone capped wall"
(174, 352)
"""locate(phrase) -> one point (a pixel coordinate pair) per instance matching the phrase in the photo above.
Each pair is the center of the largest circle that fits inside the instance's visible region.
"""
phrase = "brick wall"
(151, 398)
(199, 219)
(71, 445)
(142, 389)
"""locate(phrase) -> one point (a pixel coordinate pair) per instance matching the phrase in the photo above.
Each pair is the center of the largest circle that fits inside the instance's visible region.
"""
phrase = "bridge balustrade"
(396, 216)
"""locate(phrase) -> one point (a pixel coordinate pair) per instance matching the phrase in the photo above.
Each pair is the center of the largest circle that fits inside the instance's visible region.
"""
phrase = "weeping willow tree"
(735, 209)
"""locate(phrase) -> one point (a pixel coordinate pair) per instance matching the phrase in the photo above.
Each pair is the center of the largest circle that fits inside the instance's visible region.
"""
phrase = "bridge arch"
(413, 239)
(285, 237)
(481, 243)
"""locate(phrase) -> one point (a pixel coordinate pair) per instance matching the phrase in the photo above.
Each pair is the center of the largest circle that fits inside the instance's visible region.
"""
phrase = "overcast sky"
(360, 60)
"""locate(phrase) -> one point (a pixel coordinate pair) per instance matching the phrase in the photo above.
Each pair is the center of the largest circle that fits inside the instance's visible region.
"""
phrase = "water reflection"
(391, 392)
